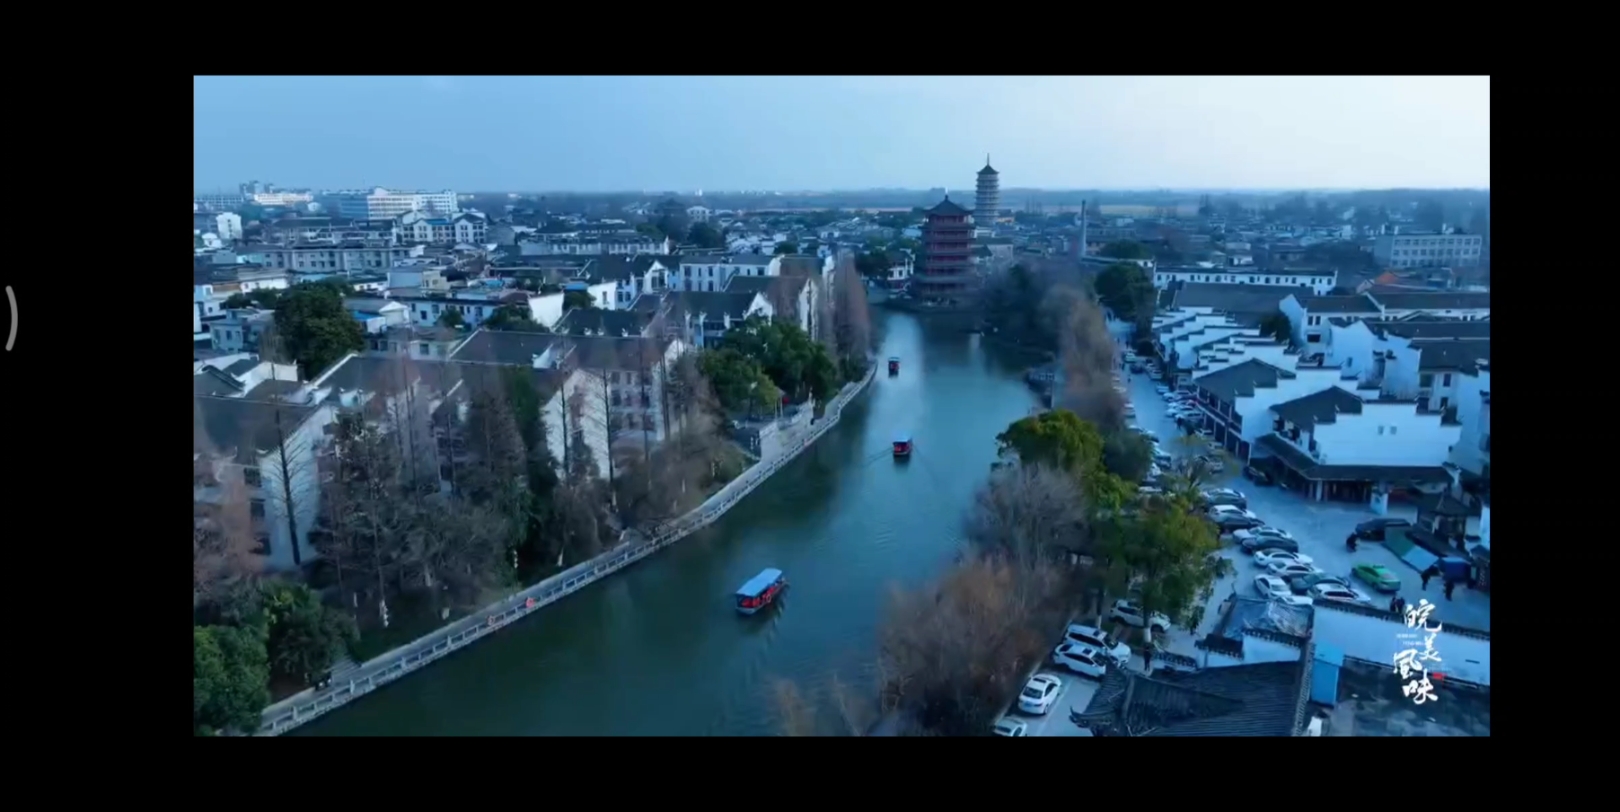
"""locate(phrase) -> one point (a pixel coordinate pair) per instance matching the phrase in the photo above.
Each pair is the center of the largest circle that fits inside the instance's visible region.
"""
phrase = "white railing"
(385, 668)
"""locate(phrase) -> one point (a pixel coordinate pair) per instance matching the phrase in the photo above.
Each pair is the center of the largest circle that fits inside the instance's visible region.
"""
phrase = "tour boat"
(894, 366)
(902, 447)
(760, 591)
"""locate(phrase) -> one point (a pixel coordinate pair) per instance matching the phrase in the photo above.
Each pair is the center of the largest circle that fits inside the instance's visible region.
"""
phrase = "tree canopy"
(739, 382)
(302, 636)
(265, 298)
(1167, 557)
(578, 299)
(1126, 249)
(1126, 289)
(513, 317)
(230, 679)
(315, 329)
(798, 365)
(1061, 440)
(704, 235)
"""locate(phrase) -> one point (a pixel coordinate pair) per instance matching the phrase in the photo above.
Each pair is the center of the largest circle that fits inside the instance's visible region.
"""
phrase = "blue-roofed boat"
(902, 447)
(894, 366)
(760, 591)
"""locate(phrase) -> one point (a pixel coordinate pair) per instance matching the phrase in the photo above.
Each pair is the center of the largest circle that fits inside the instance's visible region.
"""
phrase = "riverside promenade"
(385, 668)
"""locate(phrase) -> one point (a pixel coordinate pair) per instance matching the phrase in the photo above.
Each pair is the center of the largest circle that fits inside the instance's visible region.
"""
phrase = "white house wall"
(1187, 358)
(1474, 414)
(603, 295)
(302, 479)
(1386, 434)
(546, 310)
(1256, 411)
(1273, 354)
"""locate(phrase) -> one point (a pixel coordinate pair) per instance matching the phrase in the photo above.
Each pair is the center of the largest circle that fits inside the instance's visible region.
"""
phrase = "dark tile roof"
(1320, 407)
(1439, 300)
(1240, 700)
(1240, 380)
(241, 426)
(647, 303)
(583, 321)
(947, 207)
(596, 352)
(1257, 299)
(1430, 328)
(714, 304)
(243, 366)
(800, 265)
(1451, 353)
(749, 284)
(389, 373)
(214, 381)
(503, 347)
(267, 390)
(1301, 463)
(1338, 304)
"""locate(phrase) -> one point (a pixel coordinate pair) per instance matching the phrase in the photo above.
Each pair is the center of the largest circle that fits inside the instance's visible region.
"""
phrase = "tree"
(1125, 289)
(577, 298)
(315, 329)
(672, 225)
(230, 679)
(1061, 440)
(786, 248)
(1169, 557)
(1126, 249)
(303, 637)
(513, 317)
(704, 235)
(265, 298)
(853, 338)
(740, 382)
(1128, 455)
(1030, 515)
(224, 548)
(799, 366)
(873, 264)
(1276, 325)
(451, 318)
(1086, 356)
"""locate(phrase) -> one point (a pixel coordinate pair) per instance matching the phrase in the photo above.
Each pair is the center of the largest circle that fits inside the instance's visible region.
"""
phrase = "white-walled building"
(240, 330)
(1319, 283)
(228, 226)
(1308, 316)
(1428, 250)
(265, 451)
(702, 318)
(334, 257)
(709, 273)
(574, 243)
(383, 204)
(425, 227)
(1415, 359)
(698, 214)
(1472, 453)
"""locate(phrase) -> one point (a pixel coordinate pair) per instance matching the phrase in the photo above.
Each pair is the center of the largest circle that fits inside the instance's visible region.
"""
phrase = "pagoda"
(947, 258)
(987, 200)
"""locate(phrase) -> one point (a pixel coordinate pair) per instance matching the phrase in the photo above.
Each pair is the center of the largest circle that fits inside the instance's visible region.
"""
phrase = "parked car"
(1377, 576)
(1131, 615)
(1093, 637)
(1289, 569)
(1212, 463)
(1241, 536)
(1039, 694)
(1137, 368)
(1302, 584)
(1337, 592)
(1264, 558)
(1164, 391)
(1229, 518)
(1259, 476)
(1008, 726)
(1270, 586)
(1378, 529)
(1230, 510)
(1225, 496)
(1083, 660)
(1148, 433)
(1256, 544)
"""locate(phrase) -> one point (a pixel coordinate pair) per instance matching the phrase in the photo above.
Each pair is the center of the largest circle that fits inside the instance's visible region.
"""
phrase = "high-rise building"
(947, 261)
(987, 200)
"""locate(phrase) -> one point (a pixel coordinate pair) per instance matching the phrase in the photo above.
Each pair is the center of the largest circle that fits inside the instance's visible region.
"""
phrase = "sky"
(736, 133)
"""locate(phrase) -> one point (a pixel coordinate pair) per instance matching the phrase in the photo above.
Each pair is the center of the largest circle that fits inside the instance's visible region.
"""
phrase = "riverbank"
(388, 667)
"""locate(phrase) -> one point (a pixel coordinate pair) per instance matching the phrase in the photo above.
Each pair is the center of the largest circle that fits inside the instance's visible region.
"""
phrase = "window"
(1445, 380)
(250, 477)
(1391, 429)
(256, 508)
(1426, 380)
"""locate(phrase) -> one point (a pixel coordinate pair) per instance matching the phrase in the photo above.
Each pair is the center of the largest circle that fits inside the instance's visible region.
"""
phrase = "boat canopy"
(759, 583)
(894, 359)
(904, 439)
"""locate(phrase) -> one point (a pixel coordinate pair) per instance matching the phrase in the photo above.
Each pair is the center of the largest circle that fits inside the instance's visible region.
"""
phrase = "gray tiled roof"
(715, 304)
(1259, 299)
(1440, 300)
(504, 347)
(1319, 407)
(1451, 353)
(596, 321)
(1322, 305)
(243, 426)
(1431, 328)
(1262, 699)
(1240, 380)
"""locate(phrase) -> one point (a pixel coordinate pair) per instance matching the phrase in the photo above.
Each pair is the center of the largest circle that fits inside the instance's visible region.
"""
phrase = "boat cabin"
(894, 366)
(902, 446)
(760, 591)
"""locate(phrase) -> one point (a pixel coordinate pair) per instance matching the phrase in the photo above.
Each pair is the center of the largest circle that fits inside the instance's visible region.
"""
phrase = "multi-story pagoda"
(947, 260)
(987, 201)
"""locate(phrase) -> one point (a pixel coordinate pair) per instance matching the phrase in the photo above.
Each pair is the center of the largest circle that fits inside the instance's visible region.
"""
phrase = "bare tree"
(852, 314)
(224, 548)
(1086, 356)
(1030, 515)
(366, 514)
(952, 655)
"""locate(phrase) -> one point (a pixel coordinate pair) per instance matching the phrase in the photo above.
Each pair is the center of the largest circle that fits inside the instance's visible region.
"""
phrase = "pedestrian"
(1426, 575)
(1450, 585)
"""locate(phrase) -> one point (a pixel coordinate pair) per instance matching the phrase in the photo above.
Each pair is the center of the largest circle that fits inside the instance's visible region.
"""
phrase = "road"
(1320, 528)
(658, 649)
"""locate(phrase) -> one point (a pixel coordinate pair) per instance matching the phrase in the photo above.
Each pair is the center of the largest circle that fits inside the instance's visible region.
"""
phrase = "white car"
(1148, 433)
(1162, 390)
(1039, 694)
(1264, 558)
(1131, 615)
(1008, 726)
(1217, 494)
(1339, 592)
(1274, 588)
(1217, 511)
(1083, 660)
(1098, 639)
(1290, 569)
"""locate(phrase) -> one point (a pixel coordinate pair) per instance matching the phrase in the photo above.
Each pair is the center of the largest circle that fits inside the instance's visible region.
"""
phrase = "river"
(659, 650)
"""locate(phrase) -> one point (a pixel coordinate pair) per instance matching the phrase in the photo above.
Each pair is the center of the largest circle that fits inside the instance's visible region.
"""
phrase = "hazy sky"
(788, 133)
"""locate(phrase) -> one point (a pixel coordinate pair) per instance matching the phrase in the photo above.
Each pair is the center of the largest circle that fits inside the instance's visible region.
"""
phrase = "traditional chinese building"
(987, 197)
(947, 261)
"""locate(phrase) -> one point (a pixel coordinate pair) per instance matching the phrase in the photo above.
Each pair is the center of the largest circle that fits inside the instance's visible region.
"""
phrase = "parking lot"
(1320, 528)
(1076, 692)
